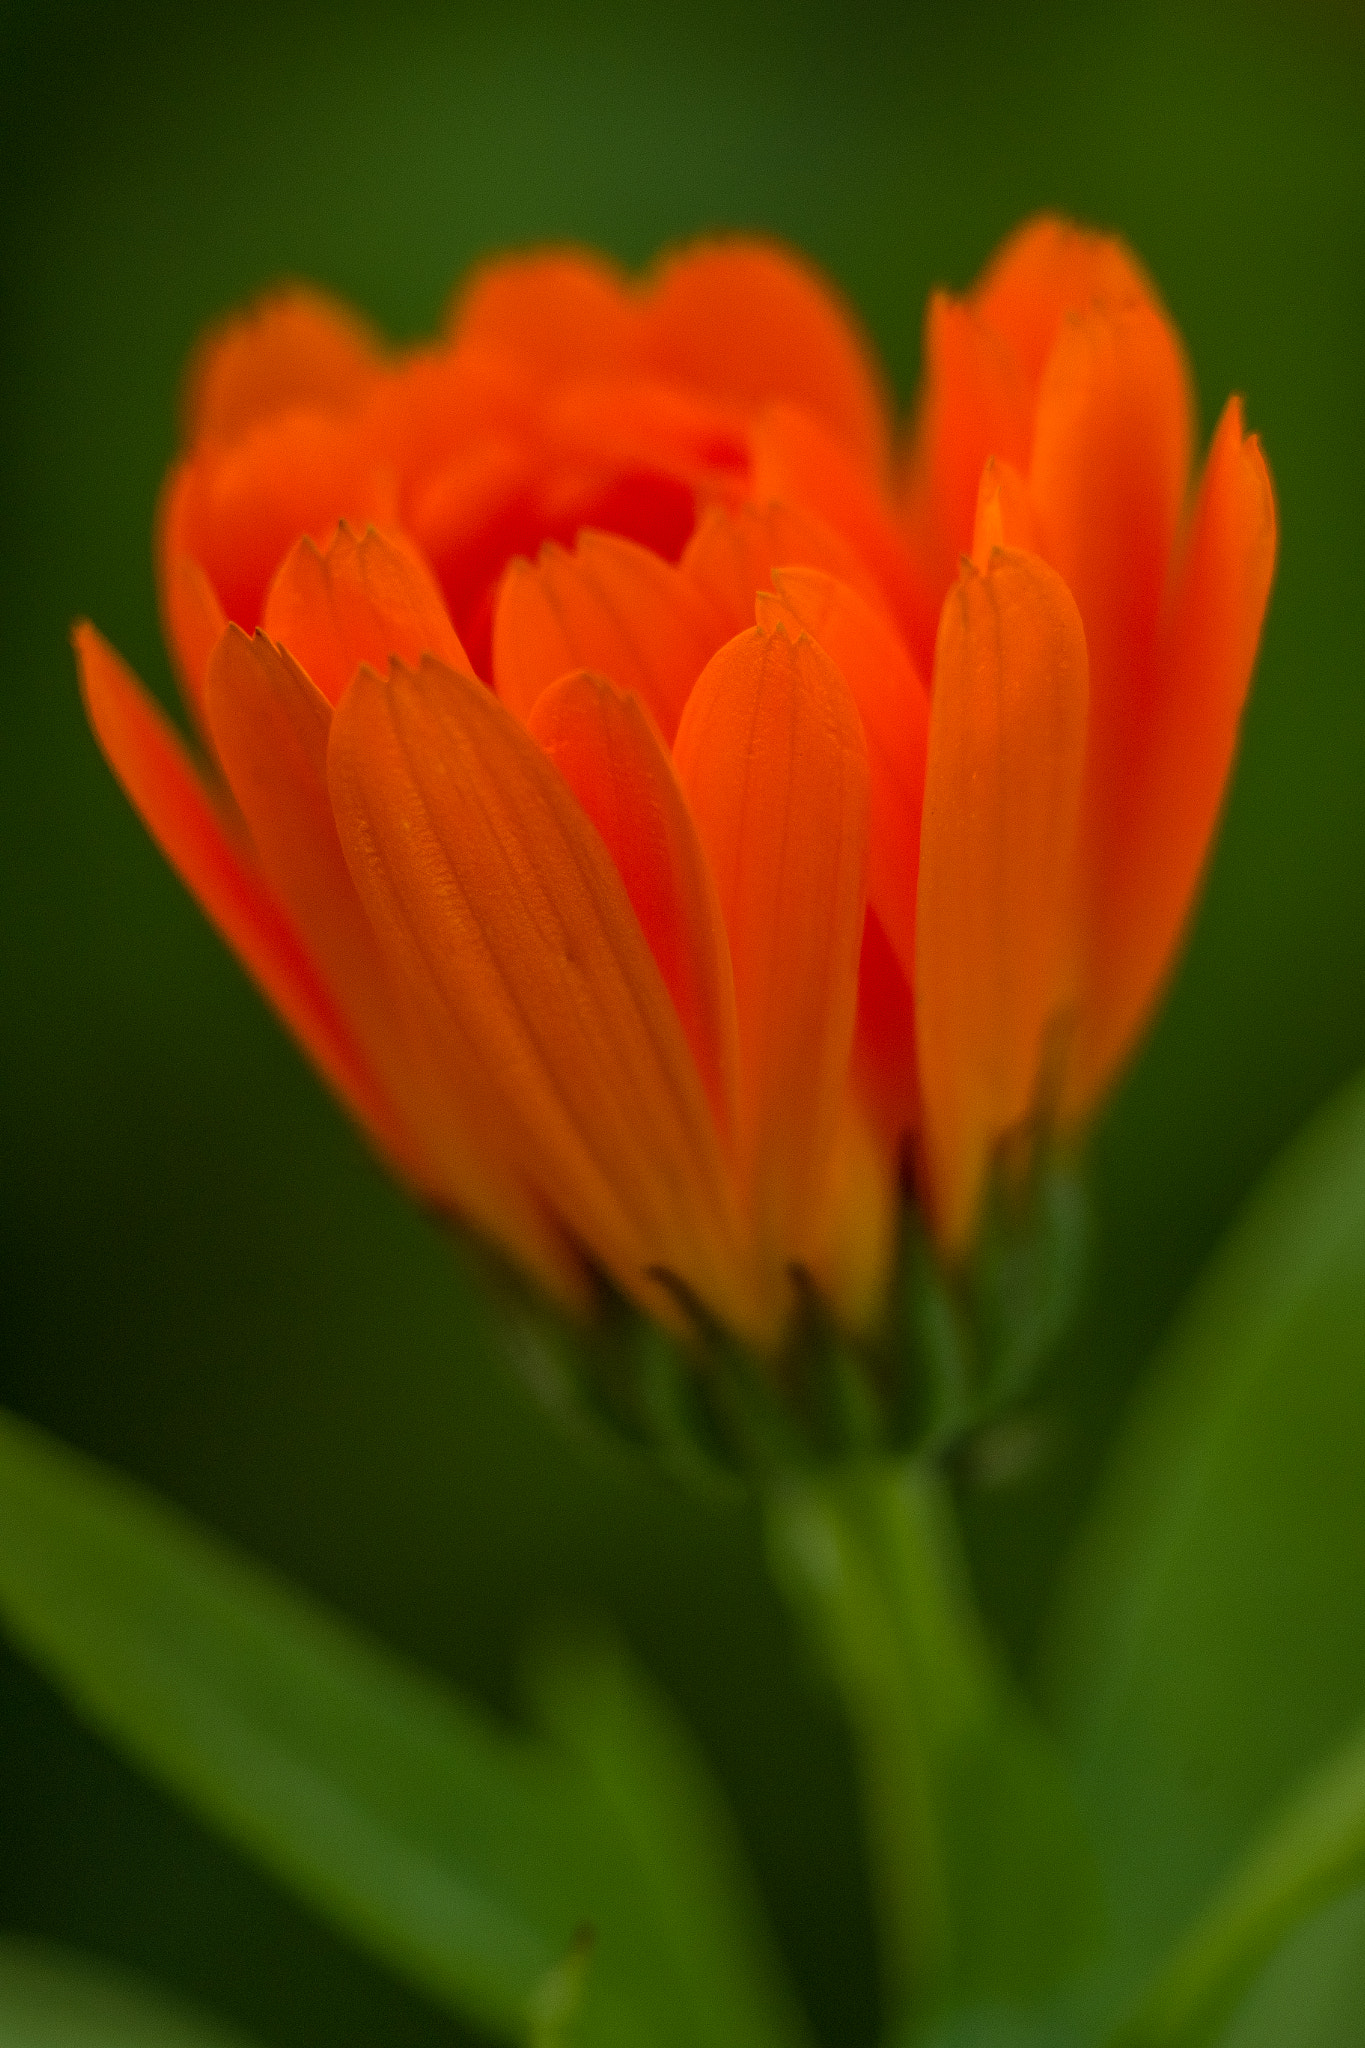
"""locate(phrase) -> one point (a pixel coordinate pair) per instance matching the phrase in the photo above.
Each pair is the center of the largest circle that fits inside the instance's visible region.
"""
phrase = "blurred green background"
(205, 1279)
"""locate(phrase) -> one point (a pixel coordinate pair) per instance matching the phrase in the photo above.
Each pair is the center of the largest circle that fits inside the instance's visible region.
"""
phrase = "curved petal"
(296, 347)
(603, 744)
(564, 312)
(193, 623)
(732, 555)
(1046, 270)
(1005, 517)
(612, 607)
(191, 831)
(1158, 816)
(238, 510)
(893, 706)
(996, 933)
(771, 758)
(884, 1065)
(271, 728)
(750, 321)
(481, 872)
(854, 1248)
(1111, 459)
(371, 599)
(974, 403)
(797, 461)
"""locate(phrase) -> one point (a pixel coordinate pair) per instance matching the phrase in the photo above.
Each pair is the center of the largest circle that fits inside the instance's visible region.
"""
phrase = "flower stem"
(866, 1555)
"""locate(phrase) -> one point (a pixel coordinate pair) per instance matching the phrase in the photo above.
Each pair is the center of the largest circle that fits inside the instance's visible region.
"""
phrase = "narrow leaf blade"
(51, 1998)
(1210, 1646)
(480, 1865)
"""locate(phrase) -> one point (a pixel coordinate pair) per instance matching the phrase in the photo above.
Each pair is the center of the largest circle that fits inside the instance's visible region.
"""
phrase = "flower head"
(657, 832)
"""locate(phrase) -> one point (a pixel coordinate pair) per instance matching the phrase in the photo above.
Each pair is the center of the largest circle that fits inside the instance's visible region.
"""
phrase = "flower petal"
(732, 555)
(853, 1251)
(1156, 819)
(193, 622)
(797, 461)
(894, 709)
(480, 870)
(1111, 458)
(271, 728)
(1005, 517)
(564, 312)
(884, 1069)
(371, 599)
(750, 321)
(612, 607)
(238, 510)
(973, 403)
(1047, 270)
(771, 758)
(293, 348)
(997, 911)
(191, 831)
(603, 744)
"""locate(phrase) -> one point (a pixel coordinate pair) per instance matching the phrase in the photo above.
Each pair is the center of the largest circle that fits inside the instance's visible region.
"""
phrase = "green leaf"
(488, 1869)
(1210, 1647)
(1312, 1993)
(1313, 1852)
(987, 1884)
(50, 1998)
(648, 1777)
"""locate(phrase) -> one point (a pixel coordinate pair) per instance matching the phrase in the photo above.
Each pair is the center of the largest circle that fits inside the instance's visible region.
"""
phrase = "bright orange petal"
(481, 871)
(271, 728)
(193, 625)
(612, 607)
(797, 461)
(564, 312)
(1156, 822)
(884, 1068)
(974, 403)
(607, 750)
(995, 956)
(1005, 517)
(732, 555)
(237, 511)
(1047, 270)
(894, 709)
(294, 348)
(191, 831)
(1111, 458)
(752, 322)
(771, 757)
(371, 599)
(854, 1249)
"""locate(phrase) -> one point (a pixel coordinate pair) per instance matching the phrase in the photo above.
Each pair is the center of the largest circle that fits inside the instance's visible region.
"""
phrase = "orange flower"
(1090, 664)
(570, 784)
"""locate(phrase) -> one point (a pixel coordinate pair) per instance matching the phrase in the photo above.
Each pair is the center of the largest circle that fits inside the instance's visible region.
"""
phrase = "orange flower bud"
(656, 831)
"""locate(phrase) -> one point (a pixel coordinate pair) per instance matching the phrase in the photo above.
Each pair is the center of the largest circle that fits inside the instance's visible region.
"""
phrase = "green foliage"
(1210, 1652)
(1313, 1852)
(580, 1889)
(50, 1998)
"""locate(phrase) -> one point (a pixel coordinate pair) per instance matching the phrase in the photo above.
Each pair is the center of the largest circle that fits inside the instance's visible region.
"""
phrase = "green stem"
(866, 1555)
(1312, 1853)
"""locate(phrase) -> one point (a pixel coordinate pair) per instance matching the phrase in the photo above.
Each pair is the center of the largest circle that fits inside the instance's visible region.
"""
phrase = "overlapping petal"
(771, 757)
(610, 606)
(199, 839)
(996, 939)
(485, 877)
